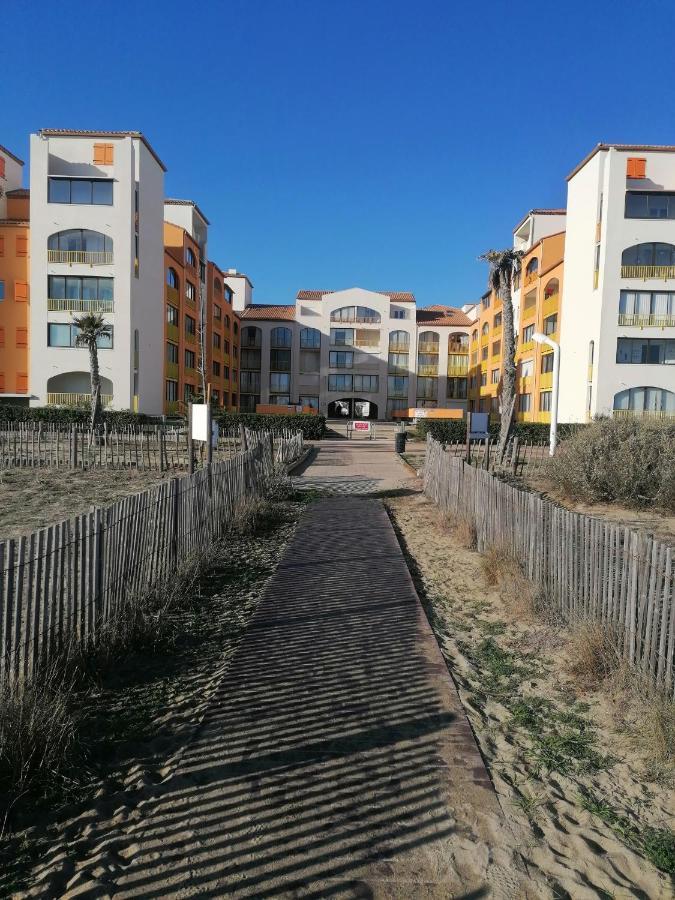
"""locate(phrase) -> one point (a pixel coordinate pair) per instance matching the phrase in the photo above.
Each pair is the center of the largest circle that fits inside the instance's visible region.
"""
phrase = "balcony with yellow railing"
(190, 337)
(81, 306)
(172, 295)
(530, 277)
(551, 304)
(399, 348)
(458, 365)
(643, 414)
(543, 417)
(189, 372)
(526, 346)
(646, 272)
(172, 332)
(66, 399)
(428, 347)
(546, 380)
(427, 370)
(525, 384)
(373, 342)
(172, 370)
(496, 331)
(634, 320)
(80, 257)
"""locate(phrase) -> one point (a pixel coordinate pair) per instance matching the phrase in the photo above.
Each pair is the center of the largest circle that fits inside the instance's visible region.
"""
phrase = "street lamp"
(544, 339)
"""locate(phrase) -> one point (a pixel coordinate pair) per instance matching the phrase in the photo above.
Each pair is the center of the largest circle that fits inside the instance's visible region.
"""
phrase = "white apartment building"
(618, 323)
(353, 352)
(96, 209)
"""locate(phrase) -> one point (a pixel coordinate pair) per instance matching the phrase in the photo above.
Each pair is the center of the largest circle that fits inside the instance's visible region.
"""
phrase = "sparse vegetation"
(502, 570)
(629, 461)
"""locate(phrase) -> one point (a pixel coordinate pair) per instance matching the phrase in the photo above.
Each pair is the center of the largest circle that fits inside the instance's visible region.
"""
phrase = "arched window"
(281, 337)
(227, 321)
(645, 401)
(251, 336)
(458, 342)
(189, 257)
(485, 329)
(532, 267)
(650, 254)
(474, 335)
(217, 285)
(81, 240)
(310, 339)
(355, 314)
(400, 340)
(552, 288)
(172, 278)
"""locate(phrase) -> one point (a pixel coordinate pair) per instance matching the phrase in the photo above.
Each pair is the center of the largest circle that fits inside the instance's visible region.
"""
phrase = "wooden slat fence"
(61, 584)
(521, 457)
(587, 568)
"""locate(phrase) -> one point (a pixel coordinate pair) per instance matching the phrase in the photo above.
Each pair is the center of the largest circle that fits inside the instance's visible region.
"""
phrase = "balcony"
(81, 306)
(526, 345)
(373, 342)
(399, 348)
(428, 347)
(172, 332)
(76, 399)
(496, 331)
(80, 257)
(646, 321)
(543, 417)
(190, 337)
(458, 366)
(546, 380)
(172, 370)
(427, 371)
(643, 414)
(645, 272)
(172, 295)
(551, 304)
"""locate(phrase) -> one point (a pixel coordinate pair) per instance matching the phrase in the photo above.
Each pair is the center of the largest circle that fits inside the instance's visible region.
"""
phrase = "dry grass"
(464, 532)
(593, 654)
(502, 570)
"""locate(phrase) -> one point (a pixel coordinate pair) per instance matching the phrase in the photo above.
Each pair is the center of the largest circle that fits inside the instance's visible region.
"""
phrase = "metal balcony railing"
(428, 347)
(427, 370)
(646, 272)
(83, 257)
(646, 321)
(68, 399)
(644, 414)
(85, 306)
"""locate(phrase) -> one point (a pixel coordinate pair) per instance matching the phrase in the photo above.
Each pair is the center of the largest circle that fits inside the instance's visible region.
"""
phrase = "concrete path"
(355, 467)
(336, 760)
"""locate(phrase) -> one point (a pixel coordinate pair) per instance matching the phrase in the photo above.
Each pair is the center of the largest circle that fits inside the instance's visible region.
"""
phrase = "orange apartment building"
(14, 279)
(539, 289)
(222, 346)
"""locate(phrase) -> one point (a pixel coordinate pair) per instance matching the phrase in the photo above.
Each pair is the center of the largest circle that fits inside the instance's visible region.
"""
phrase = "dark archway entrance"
(352, 408)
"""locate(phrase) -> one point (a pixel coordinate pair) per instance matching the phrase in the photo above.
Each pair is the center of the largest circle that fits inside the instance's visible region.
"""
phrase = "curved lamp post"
(543, 339)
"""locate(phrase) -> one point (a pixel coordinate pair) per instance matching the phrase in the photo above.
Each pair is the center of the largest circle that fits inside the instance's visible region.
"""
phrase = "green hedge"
(312, 427)
(449, 430)
(68, 415)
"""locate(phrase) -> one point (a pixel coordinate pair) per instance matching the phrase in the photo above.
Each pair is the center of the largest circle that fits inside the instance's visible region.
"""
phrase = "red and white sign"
(361, 426)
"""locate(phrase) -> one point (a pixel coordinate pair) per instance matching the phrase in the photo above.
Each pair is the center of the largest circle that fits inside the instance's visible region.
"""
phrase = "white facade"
(599, 231)
(131, 232)
(242, 289)
(348, 358)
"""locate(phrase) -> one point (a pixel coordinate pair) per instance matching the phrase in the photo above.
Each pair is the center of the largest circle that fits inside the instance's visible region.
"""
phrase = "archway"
(352, 408)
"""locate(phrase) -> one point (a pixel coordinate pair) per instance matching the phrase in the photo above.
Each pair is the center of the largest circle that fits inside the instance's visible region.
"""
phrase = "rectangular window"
(280, 382)
(494, 376)
(397, 386)
(650, 205)
(527, 334)
(2, 290)
(216, 339)
(545, 401)
(21, 246)
(636, 167)
(21, 291)
(526, 368)
(398, 314)
(216, 368)
(339, 382)
(171, 315)
(546, 363)
(280, 360)
(646, 351)
(550, 324)
(310, 402)
(58, 335)
(525, 402)
(310, 339)
(483, 379)
(366, 383)
(190, 325)
(483, 353)
(398, 363)
(190, 291)
(171, 352)
(456, 389)
(497, 320)
(341, 359)
(22, 382)
(342, 337)
(22, 337)
(427, 388)
(188, 392)
(496, 348)
(85, 191)
(190, 359)
(217, 312)
(226, 372)
(250, 359)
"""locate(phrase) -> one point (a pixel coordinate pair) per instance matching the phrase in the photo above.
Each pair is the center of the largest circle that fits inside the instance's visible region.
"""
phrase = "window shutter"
(103, 154)
(2, 245)
(108, 154)
(2, 166)
(2, 382)
(21, 246)
(2, 336)
(22, 337)
(21, 291)
(21, 383)
(636, 167)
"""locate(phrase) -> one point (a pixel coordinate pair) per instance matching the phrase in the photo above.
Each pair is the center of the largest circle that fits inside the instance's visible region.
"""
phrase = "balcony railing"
(458, 371)
(81, 257)
(172, 370)
(367, 342)
(646, 272)
(526, 345)
(427, 370)
(172, 295)
(361, 320)
(66, 399)
(644, 414)
(551, 304)
(172, 332)
(543, 417)
(398, 395)
(546, 380)
(496, 331)
(399, 348)
(85, 306)
(646, 321)
(428, 347)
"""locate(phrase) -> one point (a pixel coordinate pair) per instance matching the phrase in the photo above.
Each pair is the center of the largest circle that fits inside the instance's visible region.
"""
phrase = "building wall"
(226, 326)
(14, 308)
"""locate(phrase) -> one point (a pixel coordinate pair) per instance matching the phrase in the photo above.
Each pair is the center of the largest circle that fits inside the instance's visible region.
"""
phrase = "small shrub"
(502, 570)
(449, 431)
(71, 415)
(592, 654)
(312, 427)
(464, 532)
(628, 461)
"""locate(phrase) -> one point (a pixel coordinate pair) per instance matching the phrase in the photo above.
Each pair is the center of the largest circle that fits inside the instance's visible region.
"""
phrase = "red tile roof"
(269, 311)
(443, 315)
(69, 132)
(396, 296)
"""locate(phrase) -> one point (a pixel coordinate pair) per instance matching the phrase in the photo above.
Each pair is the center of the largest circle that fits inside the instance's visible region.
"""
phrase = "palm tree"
(504, 266)
(92, 327)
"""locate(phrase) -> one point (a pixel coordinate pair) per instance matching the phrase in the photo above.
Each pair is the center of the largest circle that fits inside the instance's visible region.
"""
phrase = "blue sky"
(377, 143)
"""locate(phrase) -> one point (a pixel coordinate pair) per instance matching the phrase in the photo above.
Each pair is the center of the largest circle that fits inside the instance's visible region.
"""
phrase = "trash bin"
(399, 441)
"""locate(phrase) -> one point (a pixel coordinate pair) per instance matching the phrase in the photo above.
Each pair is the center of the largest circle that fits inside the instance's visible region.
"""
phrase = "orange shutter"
(21, 383)
(636, 167)
(2, 166)
(22, 337)
(21, 246)
(108, 154)
(2, 245)
(103, 154)
(2, 382)
(21, 291)
(2, 336)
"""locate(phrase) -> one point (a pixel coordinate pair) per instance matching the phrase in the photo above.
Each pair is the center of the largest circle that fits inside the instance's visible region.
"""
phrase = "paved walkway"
(357, 467)
(336, 759)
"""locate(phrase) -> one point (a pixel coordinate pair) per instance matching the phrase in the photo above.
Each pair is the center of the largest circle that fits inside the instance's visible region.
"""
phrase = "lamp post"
(543, 339)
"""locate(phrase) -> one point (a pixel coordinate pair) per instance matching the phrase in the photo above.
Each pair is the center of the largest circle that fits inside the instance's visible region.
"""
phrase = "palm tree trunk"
(508, 401)
(95, 388)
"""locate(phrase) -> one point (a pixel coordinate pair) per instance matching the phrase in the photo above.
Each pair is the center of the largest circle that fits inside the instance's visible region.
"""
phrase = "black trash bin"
(399, 441)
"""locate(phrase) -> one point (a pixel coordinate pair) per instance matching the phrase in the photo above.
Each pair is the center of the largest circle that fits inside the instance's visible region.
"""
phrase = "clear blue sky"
(376, 143)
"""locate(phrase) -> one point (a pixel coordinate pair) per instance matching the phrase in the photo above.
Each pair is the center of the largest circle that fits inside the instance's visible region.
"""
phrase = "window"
(395, 405)
(2, 290)
(280, 382)
(341, 359)
(399, 314)
(21, 291)
(226, 372)
(280, 360)
(217, 286)
(226, 346)
(171, 352)
(355, 314)
(366, 383)
(103, 154)
(190, 291)
(188, 392)
(190, 257)
(398, 362)
(650, 254)
(228, 294)
(474, 335)
(636, 167)
(639, 306)
(645, 399)
(339, 382)
(76, 287)
(552, 288)
(650, 205)
(546, 363)
(250, 359)
(172, 278)
(485, 329)
(646, 351)
(21, 245)
(530, 300)
(216, 340)
(527, 334)
(87, 191)
(171, 391)
(526, 368)
(532, 267)
(397, 386)
(525, 402)
(280, 399)
(484, 353)
(80, 240)
(22, 337)
(217, 312)
(483, 379)
(216, 368)
(496, 348)
(427, 388)
(190, 359)
(456, 389)
(250, 383)
(281, 337)
(550, 324)
(497, 321)
(310, 402)
(494, 376)
(342, 337)
(486, 301)
(310, 338)
(251, 336)
(171, 315)
(190, 326)
(215, 395)
(545, 401)
(65, 335)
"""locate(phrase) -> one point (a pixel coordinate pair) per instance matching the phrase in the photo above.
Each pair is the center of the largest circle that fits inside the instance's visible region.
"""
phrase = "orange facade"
(222, 345)
(14, 296)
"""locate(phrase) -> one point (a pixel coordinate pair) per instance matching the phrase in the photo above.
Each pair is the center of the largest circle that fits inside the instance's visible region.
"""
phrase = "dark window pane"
(58, 335)
(80, 191)
(59, 190)
(102, 193)
(57, 287)
(89, 288)
(73, 288)
(105, 289)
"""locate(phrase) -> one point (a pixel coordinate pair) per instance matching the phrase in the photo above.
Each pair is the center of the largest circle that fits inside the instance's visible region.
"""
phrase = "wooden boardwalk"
(335, 759)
